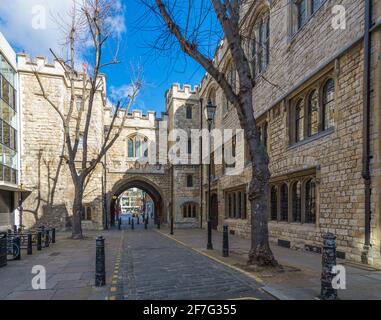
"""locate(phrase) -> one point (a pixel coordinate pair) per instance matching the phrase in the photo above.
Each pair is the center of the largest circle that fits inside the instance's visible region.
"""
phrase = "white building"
(10, 190)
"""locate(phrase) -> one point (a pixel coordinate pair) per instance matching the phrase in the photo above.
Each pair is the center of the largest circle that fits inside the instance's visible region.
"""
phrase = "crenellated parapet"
(44, 67)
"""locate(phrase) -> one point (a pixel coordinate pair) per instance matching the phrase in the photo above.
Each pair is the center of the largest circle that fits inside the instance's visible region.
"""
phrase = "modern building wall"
(10, 190)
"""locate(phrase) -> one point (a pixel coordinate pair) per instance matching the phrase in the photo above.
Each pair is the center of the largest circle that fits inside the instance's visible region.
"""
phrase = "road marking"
(256, 278)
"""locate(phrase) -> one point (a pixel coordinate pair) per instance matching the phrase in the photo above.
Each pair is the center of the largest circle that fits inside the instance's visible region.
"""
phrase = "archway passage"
(152, 191)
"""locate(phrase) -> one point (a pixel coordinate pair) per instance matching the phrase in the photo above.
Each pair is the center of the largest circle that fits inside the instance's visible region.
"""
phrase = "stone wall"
(298, 63)
(43, 170)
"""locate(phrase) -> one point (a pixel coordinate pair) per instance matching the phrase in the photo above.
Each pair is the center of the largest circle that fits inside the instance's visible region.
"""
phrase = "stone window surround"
(293, 29)
(85, 213)
(290, 179)
(190, 183)
(189, 111)
(229, 206)
(193, 207)
(303, 95)
(144, 141)
(256, 62)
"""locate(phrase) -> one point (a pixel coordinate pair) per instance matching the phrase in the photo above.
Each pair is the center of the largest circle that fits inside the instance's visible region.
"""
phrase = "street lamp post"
(21, 200)
(210, 113)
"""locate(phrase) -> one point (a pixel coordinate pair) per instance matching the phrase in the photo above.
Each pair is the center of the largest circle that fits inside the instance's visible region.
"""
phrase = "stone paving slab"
(70, 267)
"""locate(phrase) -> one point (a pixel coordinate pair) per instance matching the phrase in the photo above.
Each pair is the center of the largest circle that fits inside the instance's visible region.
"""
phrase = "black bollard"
(129, 220)
(138, 220)
(172, 224)
(39, 241)
(328, 264)
(120, 224)
(146, 224)
(47, 238)
(100, 266)
(53, 235)
(30, 247)
(133, 224)
(158, 224)
(17, 248)
(225, 242)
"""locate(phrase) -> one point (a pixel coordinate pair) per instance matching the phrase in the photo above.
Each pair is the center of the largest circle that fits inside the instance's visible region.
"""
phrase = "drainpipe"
(366, 129)
(201, 164)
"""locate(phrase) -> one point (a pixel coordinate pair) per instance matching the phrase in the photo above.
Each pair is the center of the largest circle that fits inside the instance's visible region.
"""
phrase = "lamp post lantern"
(210, 111)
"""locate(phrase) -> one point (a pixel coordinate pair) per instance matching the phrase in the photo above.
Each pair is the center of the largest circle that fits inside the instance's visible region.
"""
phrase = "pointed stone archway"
(153, 190)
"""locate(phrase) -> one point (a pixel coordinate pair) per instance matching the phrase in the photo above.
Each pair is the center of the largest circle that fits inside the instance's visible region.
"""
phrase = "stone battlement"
(39, 63)
(187, 89)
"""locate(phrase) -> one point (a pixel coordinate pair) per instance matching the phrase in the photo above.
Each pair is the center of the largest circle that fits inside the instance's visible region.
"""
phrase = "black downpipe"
(366, 129)
(201, 164)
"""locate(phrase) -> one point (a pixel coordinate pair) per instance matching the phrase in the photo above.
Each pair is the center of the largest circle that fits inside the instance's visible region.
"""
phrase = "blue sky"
(159, 71)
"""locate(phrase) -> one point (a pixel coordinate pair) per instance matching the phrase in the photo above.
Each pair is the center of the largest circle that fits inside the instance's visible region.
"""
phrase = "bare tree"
(184, 23)
(91, 23)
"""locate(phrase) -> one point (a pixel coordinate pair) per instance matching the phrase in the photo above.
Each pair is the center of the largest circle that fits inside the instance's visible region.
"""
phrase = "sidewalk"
(301, 276)
(70, 270)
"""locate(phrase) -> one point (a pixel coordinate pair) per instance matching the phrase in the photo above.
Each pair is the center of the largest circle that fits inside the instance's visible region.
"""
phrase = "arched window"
(189, 181)
(316, 4)
(212, 96)
(301, 7)
(328, 104)
(259, 48)
(190, 210)
(189, 111)
(296, 202)
(284, 202)
(231, 77)
(137, 147)
(312, 113)
(310, 210)
(274, 203)
(299, 121)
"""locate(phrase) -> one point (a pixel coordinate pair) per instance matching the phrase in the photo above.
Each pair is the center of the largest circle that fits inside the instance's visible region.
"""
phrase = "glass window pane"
(313, 113)
(284, 202)
(328, 104)
(6, 134)
(274, 204)
(296, 202)
(5, 90)
(7, 174)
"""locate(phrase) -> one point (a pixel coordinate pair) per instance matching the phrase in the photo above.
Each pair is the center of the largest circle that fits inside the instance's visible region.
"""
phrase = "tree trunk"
(77, 212)
(260, 253)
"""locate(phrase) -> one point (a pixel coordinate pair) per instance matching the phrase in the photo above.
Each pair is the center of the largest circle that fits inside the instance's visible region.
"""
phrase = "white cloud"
(120, 93)
(19, 19)
(32, 25)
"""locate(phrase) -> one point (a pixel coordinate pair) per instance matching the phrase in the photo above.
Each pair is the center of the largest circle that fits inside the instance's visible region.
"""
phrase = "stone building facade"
(310, 110)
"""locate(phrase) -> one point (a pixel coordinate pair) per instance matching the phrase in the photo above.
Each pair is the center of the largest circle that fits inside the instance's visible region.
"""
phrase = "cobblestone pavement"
(153, 267)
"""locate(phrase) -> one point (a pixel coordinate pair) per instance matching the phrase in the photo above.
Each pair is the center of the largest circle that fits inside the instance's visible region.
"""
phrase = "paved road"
(155, 267)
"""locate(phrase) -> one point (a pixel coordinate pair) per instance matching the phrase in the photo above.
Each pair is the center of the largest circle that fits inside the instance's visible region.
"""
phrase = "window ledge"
(312, 138)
